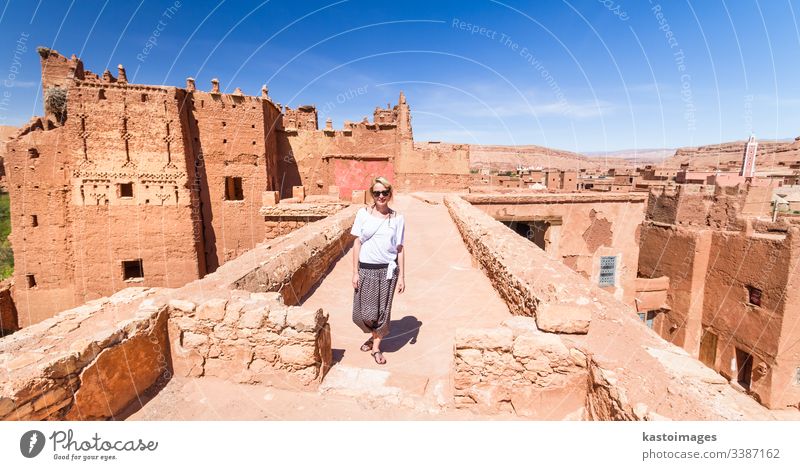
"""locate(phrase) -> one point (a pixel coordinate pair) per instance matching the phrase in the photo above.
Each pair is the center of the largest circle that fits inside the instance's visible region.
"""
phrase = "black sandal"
(382, 360)
(367, 346)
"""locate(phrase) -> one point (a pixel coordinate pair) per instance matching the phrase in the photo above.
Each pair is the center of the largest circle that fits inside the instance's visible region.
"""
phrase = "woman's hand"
(355, 280)
(401, 285)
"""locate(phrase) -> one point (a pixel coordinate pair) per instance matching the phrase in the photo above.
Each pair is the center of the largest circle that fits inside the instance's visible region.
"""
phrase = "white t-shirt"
(379, 237)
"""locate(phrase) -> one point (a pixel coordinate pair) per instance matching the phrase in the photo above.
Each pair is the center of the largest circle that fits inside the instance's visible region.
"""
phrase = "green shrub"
(6, 255)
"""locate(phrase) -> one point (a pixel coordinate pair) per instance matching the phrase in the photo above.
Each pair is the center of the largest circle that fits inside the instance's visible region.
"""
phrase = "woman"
(378, 265)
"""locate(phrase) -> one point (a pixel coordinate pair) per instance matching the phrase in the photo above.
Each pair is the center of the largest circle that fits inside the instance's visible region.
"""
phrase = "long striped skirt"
(372, 301)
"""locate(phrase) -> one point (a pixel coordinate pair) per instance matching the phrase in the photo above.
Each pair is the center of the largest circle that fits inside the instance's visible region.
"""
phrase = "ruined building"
(122, 184)
(730, 287)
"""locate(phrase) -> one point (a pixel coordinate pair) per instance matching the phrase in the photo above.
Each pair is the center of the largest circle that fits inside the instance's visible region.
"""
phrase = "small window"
(224, 141)
(754, 295)
(34, 221)
(608, 271)
(648, 318)
(33, 153)
(233, 188)
(224, 124)
(132, 269)
(144, 97)
(126, 190)
(101, 94)
(31, 280)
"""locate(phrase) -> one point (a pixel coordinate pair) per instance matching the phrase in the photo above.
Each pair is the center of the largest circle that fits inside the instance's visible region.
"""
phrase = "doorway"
(744, 365)
(708, 349)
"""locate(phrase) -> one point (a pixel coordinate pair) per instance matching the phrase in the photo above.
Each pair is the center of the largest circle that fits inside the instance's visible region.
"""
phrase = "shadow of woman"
(401, 332)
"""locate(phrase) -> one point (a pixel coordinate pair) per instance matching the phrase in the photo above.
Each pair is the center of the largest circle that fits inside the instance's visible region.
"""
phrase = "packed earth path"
(444, 291)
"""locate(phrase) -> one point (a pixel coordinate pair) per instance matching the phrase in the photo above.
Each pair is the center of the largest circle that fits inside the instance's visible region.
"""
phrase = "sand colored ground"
(443, 292)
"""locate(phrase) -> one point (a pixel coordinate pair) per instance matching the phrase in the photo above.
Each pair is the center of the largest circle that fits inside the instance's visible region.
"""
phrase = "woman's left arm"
(401, 265)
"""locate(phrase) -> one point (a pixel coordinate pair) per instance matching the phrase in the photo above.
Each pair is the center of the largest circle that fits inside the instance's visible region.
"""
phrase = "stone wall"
(249, 338)
(89, 362)
(518, 368)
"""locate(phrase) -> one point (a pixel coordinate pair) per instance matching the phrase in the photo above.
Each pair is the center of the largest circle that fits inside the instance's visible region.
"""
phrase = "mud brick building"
(122, 184)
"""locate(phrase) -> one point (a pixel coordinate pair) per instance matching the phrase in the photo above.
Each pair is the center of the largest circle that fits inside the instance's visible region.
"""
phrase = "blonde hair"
(381, 180)
(386, 184)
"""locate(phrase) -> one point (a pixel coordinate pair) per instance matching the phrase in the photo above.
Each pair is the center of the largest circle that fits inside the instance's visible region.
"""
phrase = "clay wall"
(686, 205)
(682, 255)
(762, 261)
(590, 226)
(57, 70)
(119, 135)
(8, 310)
(427, 157)
(435, 181)
(39, 188)
(233, 135)
(347, 158)
(302, 118)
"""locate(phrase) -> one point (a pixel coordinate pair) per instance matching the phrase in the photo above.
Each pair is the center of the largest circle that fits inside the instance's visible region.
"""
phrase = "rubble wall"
(517, 368)
(89, 362)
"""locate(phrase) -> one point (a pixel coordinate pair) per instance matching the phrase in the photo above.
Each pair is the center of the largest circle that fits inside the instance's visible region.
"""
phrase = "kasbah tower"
(123, 184)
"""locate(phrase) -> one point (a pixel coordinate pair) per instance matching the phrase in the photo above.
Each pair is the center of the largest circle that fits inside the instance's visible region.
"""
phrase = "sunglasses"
(384, 193)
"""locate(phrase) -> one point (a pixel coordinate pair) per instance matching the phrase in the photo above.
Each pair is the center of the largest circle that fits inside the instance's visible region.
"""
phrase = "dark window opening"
(31, 280)
(33, 153)
(132, 269)
(126, 190)
(34, 221)
(224, 141)
(754, 295)
(101, 94)
(744, 365)
(144, 97)
(233, 188)
(224, 124)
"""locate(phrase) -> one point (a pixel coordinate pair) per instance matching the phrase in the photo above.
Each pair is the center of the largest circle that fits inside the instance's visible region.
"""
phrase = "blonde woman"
(378, 265)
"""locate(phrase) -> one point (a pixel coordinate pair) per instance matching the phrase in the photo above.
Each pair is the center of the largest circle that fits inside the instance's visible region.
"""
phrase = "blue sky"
(590, 75)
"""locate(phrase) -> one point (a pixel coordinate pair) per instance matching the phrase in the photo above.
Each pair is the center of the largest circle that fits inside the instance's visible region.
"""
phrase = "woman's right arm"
(356, 251)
